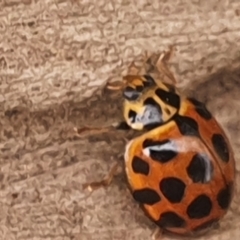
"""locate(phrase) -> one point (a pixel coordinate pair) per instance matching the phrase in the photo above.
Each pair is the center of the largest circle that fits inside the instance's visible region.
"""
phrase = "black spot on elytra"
(200, 207)
(160, 155)
(173, 189)
(140, 166)
(169, 98)
(146, 196)
(170, 220)
(201, 109)
(150, 81)
(224, 196)
(151, 126)
(206, 224)
(220, 147)
(187, 126)
(200, 169)
(130, 93)
(132, 115)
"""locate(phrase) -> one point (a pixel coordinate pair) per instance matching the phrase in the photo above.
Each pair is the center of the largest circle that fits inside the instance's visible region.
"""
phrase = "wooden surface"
(54, 54)
(60, 50)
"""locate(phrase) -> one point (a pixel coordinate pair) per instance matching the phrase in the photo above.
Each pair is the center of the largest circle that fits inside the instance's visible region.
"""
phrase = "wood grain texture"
(54, 54)
(60, 50)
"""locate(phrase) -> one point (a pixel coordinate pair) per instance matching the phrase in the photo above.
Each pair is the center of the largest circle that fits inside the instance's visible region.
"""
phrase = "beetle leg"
(86, 131)
(106, 181)
(115, 86)
(157, 234)
(162, 64)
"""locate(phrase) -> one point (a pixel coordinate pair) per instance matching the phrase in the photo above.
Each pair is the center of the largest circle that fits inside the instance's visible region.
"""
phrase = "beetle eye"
(131, 94)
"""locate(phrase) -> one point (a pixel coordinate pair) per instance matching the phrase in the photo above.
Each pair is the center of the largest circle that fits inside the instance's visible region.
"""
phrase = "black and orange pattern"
(182, 169)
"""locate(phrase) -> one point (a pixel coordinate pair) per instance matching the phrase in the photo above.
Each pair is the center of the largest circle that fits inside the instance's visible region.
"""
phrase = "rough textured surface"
(59, 50)
(54, 54)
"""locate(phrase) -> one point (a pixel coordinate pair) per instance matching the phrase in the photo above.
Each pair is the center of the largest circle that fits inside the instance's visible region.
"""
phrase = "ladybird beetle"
(181, 169)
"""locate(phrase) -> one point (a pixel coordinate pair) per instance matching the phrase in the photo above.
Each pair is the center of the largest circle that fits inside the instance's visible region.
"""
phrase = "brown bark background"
(55, 56)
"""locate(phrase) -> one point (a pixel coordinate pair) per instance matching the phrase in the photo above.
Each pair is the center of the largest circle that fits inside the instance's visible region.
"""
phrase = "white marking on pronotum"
(150, 114)
(168, 146)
